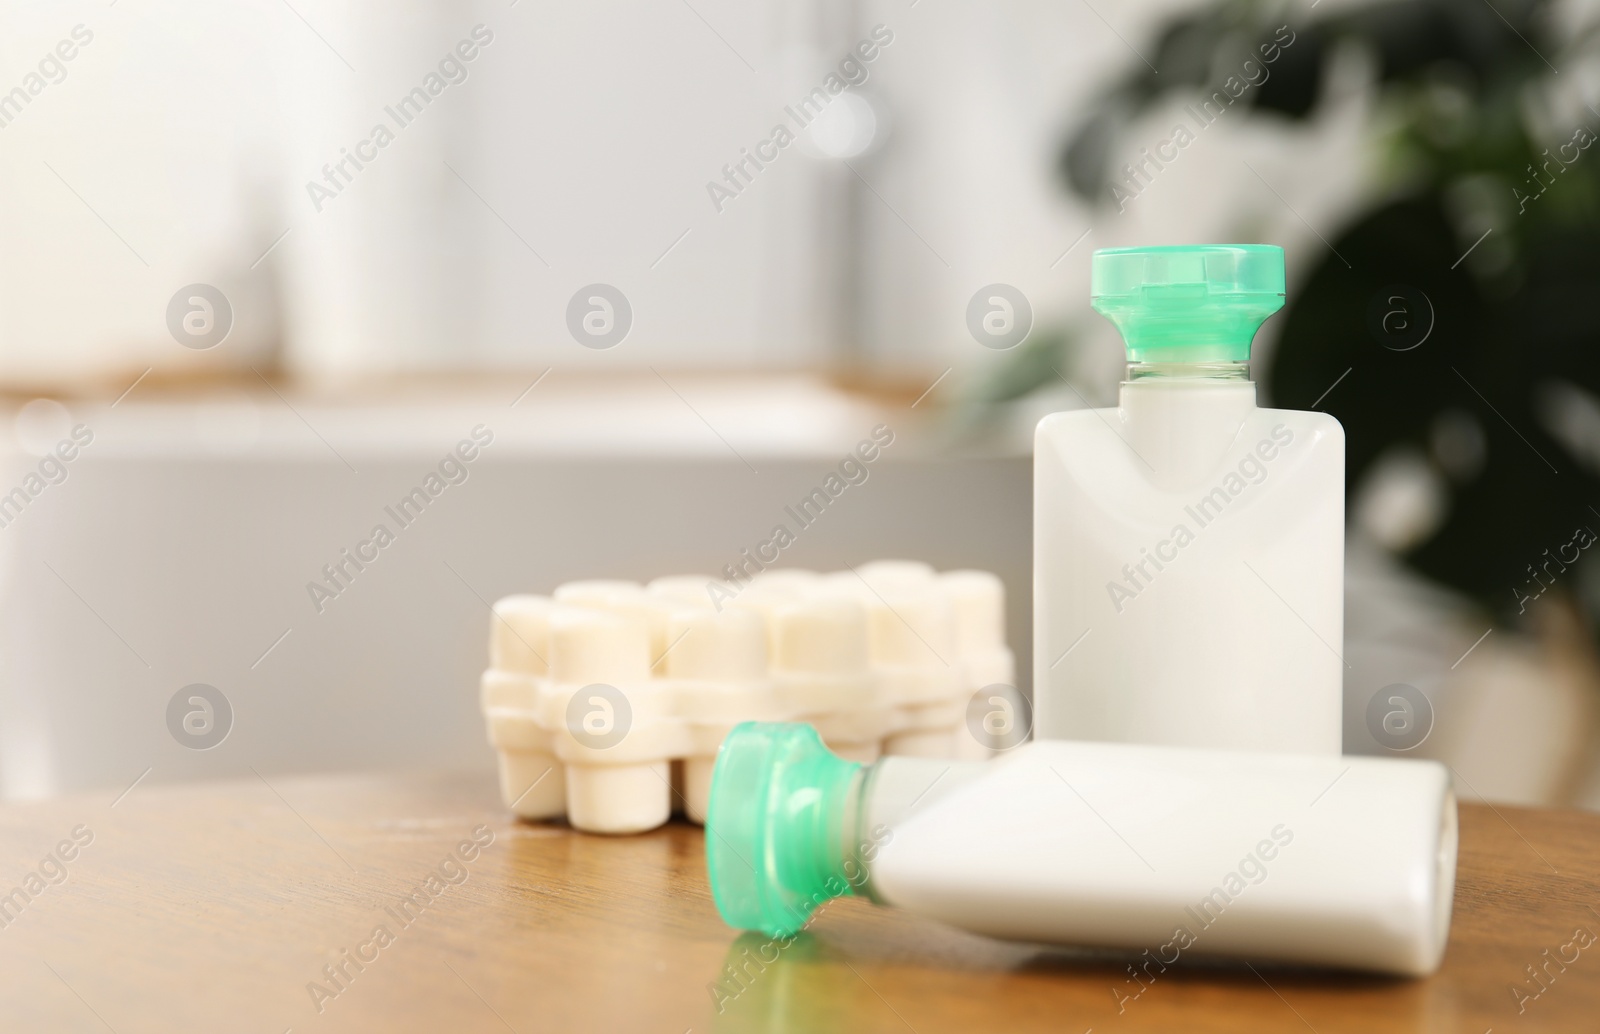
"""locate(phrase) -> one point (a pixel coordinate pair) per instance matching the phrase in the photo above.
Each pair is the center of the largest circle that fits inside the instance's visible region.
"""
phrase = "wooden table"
(212, 907)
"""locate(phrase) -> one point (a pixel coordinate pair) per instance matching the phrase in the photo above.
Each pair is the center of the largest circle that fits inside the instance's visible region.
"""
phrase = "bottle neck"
(1181, 418)
(1187, 372)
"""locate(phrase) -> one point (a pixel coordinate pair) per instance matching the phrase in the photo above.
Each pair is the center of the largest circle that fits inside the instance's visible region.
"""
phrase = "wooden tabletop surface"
(215, 907)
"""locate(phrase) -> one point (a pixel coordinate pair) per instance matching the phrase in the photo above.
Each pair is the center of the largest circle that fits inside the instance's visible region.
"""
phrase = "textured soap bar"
(607, 700)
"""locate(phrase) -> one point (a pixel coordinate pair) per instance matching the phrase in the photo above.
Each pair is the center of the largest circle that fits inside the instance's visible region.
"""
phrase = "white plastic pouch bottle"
(1189, 545)
(1166, 852)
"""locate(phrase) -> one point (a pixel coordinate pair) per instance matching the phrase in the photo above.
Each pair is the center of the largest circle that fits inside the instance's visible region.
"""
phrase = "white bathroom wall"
(179, 547)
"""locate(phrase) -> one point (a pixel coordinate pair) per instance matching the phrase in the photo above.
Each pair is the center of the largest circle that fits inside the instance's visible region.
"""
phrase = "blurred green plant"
(1494, 414)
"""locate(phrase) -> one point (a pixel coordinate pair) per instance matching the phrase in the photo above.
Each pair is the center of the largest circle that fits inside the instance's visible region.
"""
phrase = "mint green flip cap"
(775, 826)
(1188, 304)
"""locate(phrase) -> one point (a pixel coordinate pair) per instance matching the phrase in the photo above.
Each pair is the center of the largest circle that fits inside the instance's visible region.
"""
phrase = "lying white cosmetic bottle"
(1163, 851)
(1188, 545)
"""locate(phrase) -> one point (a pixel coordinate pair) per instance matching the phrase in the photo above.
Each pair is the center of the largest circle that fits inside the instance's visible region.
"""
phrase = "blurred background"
(265, 263)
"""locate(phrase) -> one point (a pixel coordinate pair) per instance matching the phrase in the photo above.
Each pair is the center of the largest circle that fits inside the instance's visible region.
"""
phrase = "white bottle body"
(1346, 862)
(1189, 571)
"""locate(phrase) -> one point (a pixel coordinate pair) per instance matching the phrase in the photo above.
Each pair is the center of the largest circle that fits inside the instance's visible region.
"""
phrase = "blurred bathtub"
(179, 547)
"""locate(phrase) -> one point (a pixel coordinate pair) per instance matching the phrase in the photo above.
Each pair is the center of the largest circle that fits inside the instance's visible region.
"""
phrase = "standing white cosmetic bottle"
(1189, 545)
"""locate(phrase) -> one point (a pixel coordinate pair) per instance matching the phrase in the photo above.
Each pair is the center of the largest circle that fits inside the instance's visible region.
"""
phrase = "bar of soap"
(607, 700)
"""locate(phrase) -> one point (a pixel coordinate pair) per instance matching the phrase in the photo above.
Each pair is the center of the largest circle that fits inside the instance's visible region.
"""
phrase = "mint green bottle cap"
(775, 826)
(1191, 303)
